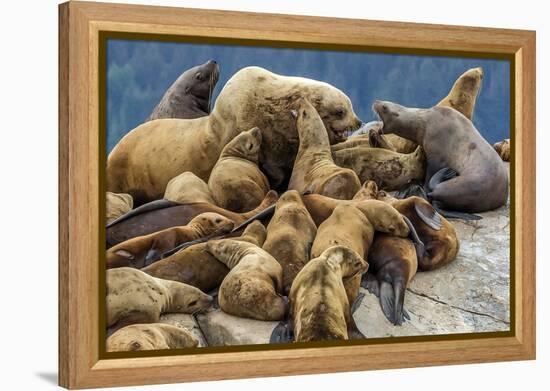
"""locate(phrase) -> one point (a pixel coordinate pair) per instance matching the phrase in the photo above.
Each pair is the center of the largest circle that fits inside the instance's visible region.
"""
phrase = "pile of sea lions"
(274, 204)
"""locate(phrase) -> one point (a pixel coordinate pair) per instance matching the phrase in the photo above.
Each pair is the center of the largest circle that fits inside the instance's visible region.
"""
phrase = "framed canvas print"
(248, 195)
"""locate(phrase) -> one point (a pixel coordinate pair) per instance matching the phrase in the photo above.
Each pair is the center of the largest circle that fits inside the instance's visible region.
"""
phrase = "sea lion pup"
(135, 297)
(197, 267)
(393, 265)
(236, 182)
(137, 223)
(470, 175)
(368, 135)
(141, 251)
(319, 307)
(290, 234)
(314, 170)
(154, 336)
(346, 226)
(117, 205)
(462, 97)
(503, 149)
(390, 170)
(187, 188)
(189, 96)
(252, 288)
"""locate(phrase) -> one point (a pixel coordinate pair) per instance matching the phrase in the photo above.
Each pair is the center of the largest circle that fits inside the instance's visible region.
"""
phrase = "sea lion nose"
(212, 62)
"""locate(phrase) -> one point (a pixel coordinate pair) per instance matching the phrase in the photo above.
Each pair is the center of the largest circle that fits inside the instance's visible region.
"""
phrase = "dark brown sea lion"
(290, 234)
(189, 96)
(390, 170)
(253, 287)
(503, 149)
(154, 336)
(197, 267)
(314, 170)
(145, 160)
(236, 182)
(319, 307)
(471, 177)
(141, 251)
(158, 218)
(135, 297)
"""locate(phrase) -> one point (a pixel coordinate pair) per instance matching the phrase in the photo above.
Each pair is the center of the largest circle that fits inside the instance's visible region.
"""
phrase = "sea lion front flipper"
(451, 214)
(148, 207)
(441, 176)
(428, 215)
(371, 284)
(418, 244)
(357, 302)
(282, 333)
(263, 214)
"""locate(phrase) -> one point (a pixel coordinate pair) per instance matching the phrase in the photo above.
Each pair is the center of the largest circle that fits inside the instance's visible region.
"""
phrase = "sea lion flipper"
(387, 301)
(282, 333)
(451, 214)
(357, 302)
(263, 214)
(418, 244)
(428, 215)
(413, 189)
(148, 207)
(370, 283)
(442, 175)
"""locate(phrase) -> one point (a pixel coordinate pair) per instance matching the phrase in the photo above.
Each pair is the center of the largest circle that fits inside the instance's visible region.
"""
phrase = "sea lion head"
(403, 121)
(200, 82)
(209, 223)
(463, 94)
(369, 191)
(347, 259)
(245, 145)
(336, 111)
(384, 217)
(254, 233)
(187, 299)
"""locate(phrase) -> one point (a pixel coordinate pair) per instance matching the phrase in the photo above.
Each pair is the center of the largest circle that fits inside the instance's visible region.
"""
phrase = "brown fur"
(290, 234)
(390, 170)
(320, 309)
(143, 250)
(503, 149)
(155, 336)
(314, 170)
(187, 188)
(146, 158)
(253, 286)
(135, 297)
(197, 267)
(236, 182)
(117, 205)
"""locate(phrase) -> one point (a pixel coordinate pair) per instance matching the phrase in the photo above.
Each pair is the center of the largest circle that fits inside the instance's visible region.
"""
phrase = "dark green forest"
(139, 72)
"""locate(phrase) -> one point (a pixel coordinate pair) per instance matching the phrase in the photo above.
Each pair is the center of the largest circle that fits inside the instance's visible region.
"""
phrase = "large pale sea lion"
(117, 205)
(189, 96)
(154, 336)
(290, 234)
(149, 221)
(135, 297)
(314, 170)
(319, 307)
(146, 158)
(142, 251)
(462, 97)
(390, 170)
(471, 177)
(236, 182)
(503, 149)
(197, 267)
(187, 188)
(253, 287)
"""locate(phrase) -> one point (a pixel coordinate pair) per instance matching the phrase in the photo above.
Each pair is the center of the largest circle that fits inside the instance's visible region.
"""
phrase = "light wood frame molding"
(81, 162)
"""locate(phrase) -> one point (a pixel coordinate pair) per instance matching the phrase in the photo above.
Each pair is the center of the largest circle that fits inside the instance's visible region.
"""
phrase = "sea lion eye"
(218, 221)
(198, 76)
(193, 303)
(339, 113)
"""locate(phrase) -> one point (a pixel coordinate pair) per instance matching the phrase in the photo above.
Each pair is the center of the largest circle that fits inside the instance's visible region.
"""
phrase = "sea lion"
(290, 234)
(319, 307)
(189, 96)
(142, 251)
(346, 226)
(390, 170)
(252, 288)
(135, 297)
(153, 220)
(470, 175)
(154, 336)
(187, 188)
(393, 265)
(197, 267)
(236, 182)
(368, 135)
(314, 170)
(117, 205)
(462, 97)
(145, 159)
(503, 149)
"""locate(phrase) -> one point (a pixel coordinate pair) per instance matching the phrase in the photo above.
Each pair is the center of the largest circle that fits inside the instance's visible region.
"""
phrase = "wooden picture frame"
(81, 160)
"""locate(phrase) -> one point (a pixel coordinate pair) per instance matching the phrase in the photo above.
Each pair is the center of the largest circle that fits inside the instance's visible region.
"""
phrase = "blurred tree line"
(139, 72)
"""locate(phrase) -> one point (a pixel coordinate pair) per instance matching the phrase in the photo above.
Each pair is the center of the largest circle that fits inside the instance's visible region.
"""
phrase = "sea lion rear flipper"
(451, 214)
(263, 214)
(148, 207)
(371, 284)
(410, 190)
(392, 297)
(441, 176)
(418, 244)
(282, 333)
(428, 215)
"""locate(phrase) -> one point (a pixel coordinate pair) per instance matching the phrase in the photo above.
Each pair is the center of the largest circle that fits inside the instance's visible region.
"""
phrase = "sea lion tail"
(392, 297)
